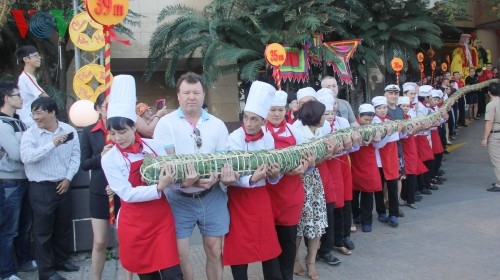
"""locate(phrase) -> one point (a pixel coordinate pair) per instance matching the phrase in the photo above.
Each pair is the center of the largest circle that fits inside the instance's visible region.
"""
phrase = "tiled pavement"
(452, 235)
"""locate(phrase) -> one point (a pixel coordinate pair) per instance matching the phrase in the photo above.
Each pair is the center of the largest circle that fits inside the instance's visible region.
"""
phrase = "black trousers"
(287, 237)
(461, 111)
(171, 273)
(408, 188)
(362, 206)
(481, 104)
(342, 224)
(52, 230)
(270, 269)
(327, 238)
(392, 192)
(438, 159)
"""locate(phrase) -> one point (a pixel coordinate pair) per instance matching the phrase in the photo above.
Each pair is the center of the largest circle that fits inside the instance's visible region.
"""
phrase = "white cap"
(325, 96)
(366, 108)
(403, 100)
(259, 99)
(392, 88)
(122, 98)
(280, 98)
(424, 91)
(303, 92)
(379, 100)
(409, 86)
(437, 93)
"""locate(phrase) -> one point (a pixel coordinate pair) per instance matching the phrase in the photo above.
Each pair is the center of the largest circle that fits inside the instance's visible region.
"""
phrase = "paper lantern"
(397, 64)
(82, 113)
(420, 57)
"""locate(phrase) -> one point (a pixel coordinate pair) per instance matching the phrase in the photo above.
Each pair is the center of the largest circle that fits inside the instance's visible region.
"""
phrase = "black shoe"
(494, 189)
(418, 198)
(435, 182)
(329, 258)
(426, 191)
(56, 276)
(348, 243)
(433, 187)
(67, 266)
(441, 172)
(358, 221)
(441, 178)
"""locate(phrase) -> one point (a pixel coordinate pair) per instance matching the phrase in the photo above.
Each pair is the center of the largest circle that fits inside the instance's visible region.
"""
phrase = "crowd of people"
(261, 217)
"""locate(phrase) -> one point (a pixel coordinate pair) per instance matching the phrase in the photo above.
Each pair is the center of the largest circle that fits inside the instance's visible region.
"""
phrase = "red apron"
(365, 174)
(336, 192)
(424, 148)
(390, 160)
(146, 231)
(345, 165)
(287, 196)
(252, 235)
(411, 155)
(328, 183)
(437, 146)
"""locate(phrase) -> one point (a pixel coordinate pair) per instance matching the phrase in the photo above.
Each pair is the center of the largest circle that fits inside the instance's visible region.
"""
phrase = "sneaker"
(418, 198)
(12, 277)
(383, 218)
(393, 221)
(366, 228)
(28, 266)
(329, 258)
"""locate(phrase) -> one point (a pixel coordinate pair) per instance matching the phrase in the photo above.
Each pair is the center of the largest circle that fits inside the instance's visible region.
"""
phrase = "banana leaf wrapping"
(245, 163)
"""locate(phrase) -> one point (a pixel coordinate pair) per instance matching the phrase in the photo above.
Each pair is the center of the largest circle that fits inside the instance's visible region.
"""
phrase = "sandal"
(353, 228)
(311, 271)
(297, 269)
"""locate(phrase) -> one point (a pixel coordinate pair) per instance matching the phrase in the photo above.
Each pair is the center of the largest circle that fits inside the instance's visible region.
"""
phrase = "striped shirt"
(45, 162)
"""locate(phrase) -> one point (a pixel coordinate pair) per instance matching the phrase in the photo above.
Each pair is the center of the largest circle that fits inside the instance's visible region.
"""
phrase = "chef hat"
(379, 100)
(366, 108)
(403, 100)
(122, 98)
(325, 96)
(303, 92)
(392, 88)
(437, 93)
(424, 91)
(280, 98)
(259, 99)
(409, 86)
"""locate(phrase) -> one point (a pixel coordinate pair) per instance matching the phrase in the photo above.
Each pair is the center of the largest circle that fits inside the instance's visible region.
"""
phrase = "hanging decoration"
(85, 79)
(433, 68)
(42, 24)
(80, 26)
(397, 65)
(20, 20)
(420, 58)
(296, 64)
(444, 67)
(275, 55)
(342, 51)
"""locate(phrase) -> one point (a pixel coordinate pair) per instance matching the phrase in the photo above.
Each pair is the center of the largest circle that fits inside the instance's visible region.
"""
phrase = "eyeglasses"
(35, 56)
(197, 138)
(12, 95)
(38, 113)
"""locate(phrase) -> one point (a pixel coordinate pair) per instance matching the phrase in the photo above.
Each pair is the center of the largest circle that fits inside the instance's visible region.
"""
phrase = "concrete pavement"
(452, 234)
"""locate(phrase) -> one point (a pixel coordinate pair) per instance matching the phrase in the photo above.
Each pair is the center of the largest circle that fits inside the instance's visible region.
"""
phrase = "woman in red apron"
(287, 196)
(388, 162)
(146, 231)
(437, 145)
(252, 236)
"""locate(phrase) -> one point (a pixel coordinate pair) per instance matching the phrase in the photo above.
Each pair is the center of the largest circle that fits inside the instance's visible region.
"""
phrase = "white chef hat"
(122, 98)
(437, 93)
(409, 86)
(403, 100)
(307, 91)
(424, 91)
(391, 88)
(259, 99)
(379, 100)
(325, 96)
(280, 98)
(366, 108)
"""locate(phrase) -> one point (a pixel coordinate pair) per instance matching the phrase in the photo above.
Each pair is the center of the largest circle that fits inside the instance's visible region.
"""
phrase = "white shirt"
(340, 123)
(174, 131)
(378, 145)
(29, 90)
(290, 131)
(45, 162)
(236, 142)
(117, 170)
(306, 134)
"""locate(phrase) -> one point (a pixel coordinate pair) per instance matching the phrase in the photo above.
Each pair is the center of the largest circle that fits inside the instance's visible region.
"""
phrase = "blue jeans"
(11, 198)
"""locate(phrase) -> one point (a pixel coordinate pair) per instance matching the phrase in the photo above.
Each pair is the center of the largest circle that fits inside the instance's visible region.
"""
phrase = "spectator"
(146, 123)
(344, 108)
(28, 86)
(50, 152)
(190, 130)
(13, 185)
(472, 97)
(491, 136)
(144, 111)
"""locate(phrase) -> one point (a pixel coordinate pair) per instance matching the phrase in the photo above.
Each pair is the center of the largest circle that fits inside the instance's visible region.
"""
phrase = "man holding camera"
(50, 151)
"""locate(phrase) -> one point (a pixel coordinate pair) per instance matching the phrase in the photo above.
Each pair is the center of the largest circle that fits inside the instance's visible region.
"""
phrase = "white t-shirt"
(29, 90)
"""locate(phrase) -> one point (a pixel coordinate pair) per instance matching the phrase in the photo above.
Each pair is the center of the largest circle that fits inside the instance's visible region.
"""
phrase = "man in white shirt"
(28, 86)
(50, 151)
(344, 108)
(191, 130)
